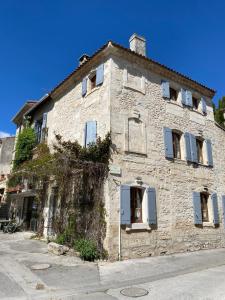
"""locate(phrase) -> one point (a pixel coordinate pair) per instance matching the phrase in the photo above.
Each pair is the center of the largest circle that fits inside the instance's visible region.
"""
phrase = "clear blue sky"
(41, 41)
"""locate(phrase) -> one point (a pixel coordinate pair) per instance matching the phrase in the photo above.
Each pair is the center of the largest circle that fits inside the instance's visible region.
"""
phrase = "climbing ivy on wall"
(24, 145)
(78, 173)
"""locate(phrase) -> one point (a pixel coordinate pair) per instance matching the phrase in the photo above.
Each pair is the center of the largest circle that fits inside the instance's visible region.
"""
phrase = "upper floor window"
(185, 97)
(199, 145)
(195, 103)
(40, 127)
(94, 79)
(176, 145)
(173, 94)
(90, 133)
(187, 146)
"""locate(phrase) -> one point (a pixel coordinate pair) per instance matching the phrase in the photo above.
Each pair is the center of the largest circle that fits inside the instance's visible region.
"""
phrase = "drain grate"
(40, 267)
(134, 292)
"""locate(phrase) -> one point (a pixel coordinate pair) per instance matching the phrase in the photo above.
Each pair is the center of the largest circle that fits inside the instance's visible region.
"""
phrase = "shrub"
(62, 239)
(87, 248)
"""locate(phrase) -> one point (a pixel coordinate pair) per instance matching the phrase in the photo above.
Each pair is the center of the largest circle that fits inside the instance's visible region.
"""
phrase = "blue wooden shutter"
(194, 156)
(223, 206)
(197, 208)
(91, 132)
(168, 142)
(165, 89)
(209, 153)
(84, 86)
(44, 120)
(189, 101)
(152, 214)
(125, 214)
(215, 208)
(100, 74)
(183, 96)
(204, 108)
(187, 146)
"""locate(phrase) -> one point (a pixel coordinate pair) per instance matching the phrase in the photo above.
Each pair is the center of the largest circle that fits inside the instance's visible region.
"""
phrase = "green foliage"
(87, 248)
(219, 112)
(62, 239)
(79, 174)
(25, 143)
(96, 152)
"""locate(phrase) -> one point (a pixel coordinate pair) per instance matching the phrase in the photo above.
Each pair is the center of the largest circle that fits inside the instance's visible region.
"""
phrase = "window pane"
(204, 207)
(176, 145)
(136, 204)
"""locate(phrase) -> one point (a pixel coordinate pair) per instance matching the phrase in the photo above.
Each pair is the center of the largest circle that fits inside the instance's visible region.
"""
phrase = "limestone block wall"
(175, 180)
(70, 110)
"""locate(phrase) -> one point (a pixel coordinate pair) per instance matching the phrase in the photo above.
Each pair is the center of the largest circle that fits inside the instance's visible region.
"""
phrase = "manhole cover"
(134, 292)
(40, 267)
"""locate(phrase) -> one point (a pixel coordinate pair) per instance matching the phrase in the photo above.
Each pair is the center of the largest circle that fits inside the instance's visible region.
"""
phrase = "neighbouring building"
(23, 204)
(6, 155)
(165, 191)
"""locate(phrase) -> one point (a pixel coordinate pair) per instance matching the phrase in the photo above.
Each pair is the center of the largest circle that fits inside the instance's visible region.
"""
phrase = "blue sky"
(41, 41)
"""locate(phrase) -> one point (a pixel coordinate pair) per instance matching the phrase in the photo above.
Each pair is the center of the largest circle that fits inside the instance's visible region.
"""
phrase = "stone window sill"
(138, 226)
(134, 88)
(92, 91)
(135, 153)
(175, 102)
(208, 224)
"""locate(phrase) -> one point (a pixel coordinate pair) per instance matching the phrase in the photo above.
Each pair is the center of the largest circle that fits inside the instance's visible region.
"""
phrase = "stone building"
(165, 189)
(6, 155)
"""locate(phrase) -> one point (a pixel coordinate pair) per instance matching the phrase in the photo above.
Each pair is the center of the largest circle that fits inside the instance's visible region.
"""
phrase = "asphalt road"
(196, 275)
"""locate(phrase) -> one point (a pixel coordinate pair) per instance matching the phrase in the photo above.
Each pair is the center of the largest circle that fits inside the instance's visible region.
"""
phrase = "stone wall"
(139, 93)
(6, 154)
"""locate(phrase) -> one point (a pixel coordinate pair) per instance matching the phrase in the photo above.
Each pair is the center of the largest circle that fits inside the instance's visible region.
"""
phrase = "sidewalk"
(68, 278)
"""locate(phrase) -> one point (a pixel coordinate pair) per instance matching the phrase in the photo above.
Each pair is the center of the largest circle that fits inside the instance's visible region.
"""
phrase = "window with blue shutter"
(193, 146)
(203, 104)
(223, 207)
(168, 142)
(90, 132)
(189, 98)
(84, 87)
(165, 89)
(152, 213)
(43, 127)
(197, 208)
(44, 120)
(183, 96)
(100, 74)
(187, 146)
(215, 209)
(125, 212)
(209, 153)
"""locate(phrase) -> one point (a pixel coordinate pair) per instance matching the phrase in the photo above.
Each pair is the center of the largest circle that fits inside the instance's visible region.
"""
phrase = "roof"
(18, 118)
(133, 53)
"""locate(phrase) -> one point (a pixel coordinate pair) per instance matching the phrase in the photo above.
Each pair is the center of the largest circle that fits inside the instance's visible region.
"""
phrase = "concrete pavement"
(196, 275)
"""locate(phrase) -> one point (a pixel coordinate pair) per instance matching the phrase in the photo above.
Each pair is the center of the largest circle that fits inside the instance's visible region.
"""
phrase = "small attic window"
(93, 81)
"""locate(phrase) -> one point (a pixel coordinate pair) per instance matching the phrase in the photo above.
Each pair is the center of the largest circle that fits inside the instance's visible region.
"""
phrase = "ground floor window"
(136, 196)
(204, 207)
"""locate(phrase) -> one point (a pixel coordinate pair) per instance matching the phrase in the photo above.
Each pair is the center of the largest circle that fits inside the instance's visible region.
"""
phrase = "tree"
(219, 112)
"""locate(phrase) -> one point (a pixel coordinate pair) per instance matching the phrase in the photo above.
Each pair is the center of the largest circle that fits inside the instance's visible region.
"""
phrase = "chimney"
(83, 59)
(138, 44)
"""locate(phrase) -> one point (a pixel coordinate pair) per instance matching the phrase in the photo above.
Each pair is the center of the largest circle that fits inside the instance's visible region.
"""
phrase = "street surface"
(196, 275)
